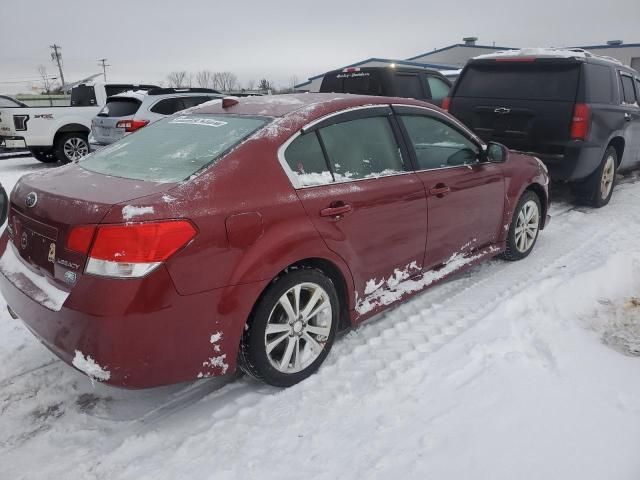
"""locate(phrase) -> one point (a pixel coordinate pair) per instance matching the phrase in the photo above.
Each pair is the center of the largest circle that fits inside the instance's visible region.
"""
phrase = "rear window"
(172, 149)
(83, 96)
(363, 83)
(529, 81)
(120, 107)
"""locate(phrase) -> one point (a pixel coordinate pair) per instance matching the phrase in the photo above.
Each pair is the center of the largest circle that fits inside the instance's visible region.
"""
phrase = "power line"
(56, 56)
(104, 64)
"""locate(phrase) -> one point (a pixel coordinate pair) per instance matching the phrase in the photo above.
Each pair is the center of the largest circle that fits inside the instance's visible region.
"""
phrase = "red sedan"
(248, 232)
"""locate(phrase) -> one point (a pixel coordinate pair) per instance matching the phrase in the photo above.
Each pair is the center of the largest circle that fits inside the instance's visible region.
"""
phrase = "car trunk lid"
(45, 207)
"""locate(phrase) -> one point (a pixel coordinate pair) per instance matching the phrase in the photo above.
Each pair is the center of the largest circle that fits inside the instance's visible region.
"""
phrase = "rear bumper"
(578, 162)
(10, 143)
(139, 333)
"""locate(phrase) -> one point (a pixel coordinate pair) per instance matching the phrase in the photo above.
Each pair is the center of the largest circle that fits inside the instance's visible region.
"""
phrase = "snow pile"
(89, 366)
(131, 211)
(217, 364)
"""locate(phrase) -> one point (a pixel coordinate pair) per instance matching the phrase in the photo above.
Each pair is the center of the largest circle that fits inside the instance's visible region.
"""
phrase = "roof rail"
(166, 91)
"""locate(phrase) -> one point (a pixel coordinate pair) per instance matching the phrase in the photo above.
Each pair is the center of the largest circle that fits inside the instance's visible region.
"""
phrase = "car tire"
(71, 147)
(44, 155)
(282, 346)
(597, 189)
(524, 228)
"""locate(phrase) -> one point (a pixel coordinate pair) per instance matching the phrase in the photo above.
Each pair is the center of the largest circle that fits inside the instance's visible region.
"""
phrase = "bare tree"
(265, 85)
(226, 81)
(46, 81)
(251, 84)
(205, 79)
(178, 79)
(293, 81)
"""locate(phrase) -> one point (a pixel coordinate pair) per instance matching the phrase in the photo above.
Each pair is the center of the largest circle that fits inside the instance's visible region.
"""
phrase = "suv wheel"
(44, 155)
(292, 328)
(596, 190)
(71, 147)
(524, 228)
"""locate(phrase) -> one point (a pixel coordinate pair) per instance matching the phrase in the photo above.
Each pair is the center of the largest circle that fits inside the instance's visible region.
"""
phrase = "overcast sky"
(144, 40)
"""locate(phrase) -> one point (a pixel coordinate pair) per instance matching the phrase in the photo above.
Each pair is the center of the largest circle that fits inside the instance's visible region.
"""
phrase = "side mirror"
(4, 205)
(496, 153)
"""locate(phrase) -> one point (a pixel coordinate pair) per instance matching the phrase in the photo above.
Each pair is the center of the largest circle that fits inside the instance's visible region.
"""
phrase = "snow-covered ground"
(510, 371)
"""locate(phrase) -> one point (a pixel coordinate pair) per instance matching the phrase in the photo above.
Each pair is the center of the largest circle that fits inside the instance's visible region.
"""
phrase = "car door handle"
(336, 209)
(627, 117)
(440, 190)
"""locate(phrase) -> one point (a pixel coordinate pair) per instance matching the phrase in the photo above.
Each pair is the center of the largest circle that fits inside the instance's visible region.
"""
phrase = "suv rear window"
(363, 83)
(120, 107)
(172, 149)
(530, 81)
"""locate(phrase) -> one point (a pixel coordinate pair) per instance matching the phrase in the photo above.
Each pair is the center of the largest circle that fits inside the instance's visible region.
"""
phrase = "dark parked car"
(578, 112)
(4, 205)
(248, 231)
(419, 83)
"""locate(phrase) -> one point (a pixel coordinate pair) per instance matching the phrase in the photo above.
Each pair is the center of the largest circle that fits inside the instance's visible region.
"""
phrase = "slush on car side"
(247, 232)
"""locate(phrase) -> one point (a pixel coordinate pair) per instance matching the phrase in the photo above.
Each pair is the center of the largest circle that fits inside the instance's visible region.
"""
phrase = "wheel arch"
(619, 144)
(542, 196)
(70, 128)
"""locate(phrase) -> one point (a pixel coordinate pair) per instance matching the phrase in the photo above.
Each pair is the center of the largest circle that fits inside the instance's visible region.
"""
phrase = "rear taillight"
(131, 125)
(580, 122)
(130, 250)
(446, 103)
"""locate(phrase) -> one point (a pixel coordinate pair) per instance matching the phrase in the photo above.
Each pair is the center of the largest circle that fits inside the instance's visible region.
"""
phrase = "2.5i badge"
(52, 252)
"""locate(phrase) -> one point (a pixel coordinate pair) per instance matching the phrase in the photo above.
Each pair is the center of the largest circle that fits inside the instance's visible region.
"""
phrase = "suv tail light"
(129, 250)
(131, 125)
(580, 122)
(446, 103)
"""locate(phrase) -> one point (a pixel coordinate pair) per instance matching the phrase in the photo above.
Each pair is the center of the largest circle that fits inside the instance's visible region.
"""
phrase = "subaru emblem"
(31, 200)
(70, 277)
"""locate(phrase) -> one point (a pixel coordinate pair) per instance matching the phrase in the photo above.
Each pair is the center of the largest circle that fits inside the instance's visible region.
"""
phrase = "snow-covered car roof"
(543, 52)
(137, 94)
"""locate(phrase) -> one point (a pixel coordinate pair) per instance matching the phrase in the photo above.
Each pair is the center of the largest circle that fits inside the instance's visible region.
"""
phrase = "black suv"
(419, 83)
(577, 112)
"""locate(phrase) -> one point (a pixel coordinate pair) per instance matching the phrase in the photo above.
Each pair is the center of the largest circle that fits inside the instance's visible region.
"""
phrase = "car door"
(361, 194)
(465, 196)
(631, 112)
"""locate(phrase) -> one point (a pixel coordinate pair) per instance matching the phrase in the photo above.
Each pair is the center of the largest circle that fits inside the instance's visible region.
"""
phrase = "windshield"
(174, 148)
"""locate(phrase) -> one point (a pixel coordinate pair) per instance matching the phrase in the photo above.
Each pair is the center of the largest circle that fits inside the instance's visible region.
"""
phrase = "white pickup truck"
(58, 133)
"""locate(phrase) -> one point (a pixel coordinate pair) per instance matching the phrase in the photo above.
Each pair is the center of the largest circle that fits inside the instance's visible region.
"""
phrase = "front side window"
(306, 160)
(172, 149)
(363, 148)
(439, 88)
(438, 145)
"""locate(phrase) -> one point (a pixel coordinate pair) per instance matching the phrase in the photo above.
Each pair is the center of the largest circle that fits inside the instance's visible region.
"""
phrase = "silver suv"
(127, 112)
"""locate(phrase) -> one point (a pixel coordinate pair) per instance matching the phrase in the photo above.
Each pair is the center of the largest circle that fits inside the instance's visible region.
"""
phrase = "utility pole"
(104, 64)
(56, 56)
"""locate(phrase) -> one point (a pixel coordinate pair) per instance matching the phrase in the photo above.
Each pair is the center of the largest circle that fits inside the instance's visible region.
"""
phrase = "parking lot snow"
(522, 370)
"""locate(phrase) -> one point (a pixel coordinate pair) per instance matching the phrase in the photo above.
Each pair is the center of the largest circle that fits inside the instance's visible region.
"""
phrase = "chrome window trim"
(293, 177)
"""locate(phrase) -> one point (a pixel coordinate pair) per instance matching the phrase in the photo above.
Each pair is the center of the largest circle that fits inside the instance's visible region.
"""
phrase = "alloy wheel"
(75, 148)
(298, 327)
(527, 226)
(608, 174)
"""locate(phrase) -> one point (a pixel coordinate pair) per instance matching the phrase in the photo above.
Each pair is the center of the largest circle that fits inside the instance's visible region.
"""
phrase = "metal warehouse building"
(456, 56)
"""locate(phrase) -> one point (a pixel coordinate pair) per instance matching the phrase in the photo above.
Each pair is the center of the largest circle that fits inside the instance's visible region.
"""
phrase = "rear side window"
(438, 145)
(439, 88)
(528, 81)
(172, 149)
(638, 90)
(363, 148)
(306, 160)
(168, 106)
(408, 86)
(628, 93)
(83, 96)
(193, 101)
(120, 107)
(599, 84)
